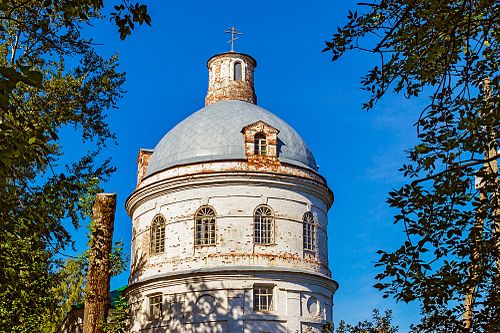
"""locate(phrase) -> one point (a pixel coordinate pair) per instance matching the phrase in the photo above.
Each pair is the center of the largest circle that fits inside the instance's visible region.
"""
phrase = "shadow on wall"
(138, 263)
(209, 309)
(234, 304)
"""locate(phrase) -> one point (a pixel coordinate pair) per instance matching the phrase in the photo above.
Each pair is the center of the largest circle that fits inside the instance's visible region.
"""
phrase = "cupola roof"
(214, 133)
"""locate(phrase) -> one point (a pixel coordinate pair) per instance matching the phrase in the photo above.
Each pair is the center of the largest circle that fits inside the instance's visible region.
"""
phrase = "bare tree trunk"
(478, 233)
(491, 168)
(97, 289)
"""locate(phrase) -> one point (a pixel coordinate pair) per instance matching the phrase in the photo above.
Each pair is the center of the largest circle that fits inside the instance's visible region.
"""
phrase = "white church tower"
(229, 220)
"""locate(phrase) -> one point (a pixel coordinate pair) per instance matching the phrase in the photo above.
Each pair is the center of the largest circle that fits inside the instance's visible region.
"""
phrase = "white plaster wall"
(229, 269)
(234, 205)
(232, 309)
(224, 166)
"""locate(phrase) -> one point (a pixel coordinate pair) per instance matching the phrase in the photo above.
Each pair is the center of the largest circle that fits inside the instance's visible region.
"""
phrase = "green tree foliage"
(379, 324)
(70, 287)
(68, 292)
(118, 318)
(51, 78)
(445, 52)
(70, 13)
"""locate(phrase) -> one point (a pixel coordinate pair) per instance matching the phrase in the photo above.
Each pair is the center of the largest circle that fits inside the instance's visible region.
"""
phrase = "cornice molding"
(231, 274)
(162, 187)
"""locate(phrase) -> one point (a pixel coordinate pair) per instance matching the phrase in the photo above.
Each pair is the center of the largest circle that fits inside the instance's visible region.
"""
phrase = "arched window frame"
(263, 226)
(238, 74)
(205, 226)
(309, 231)
(260, 144)
(157, 235)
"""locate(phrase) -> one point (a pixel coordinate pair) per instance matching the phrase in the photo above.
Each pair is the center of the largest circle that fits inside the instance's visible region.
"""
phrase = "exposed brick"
(221, 83)
(142, 163)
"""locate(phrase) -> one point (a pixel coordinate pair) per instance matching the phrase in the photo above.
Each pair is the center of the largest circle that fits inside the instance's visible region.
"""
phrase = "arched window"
(309, 231)
(158, 235)
(204, 225)
(263, 225)
(237, 71)
(260, 144)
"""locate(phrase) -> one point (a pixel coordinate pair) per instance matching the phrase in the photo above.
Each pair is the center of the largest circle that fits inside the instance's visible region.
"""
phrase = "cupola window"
(158, 235)
(204, 226)
(237, 71)
(309, 231)
(263, 226)
(260, 143)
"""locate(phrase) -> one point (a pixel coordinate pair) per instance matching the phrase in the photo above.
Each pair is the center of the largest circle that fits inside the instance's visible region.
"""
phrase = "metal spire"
(233, 32)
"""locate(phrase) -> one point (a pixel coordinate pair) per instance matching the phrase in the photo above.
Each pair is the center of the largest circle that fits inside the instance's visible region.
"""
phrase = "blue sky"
(358, 152)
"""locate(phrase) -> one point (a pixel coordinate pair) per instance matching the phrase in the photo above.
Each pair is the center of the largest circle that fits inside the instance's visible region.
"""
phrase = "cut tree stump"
(97, 291)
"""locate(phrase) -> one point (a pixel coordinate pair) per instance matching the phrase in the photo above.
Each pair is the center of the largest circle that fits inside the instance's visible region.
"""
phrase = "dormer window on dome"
(261, 140)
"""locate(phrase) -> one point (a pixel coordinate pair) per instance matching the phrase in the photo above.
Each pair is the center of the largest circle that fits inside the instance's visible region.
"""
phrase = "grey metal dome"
(214, 133)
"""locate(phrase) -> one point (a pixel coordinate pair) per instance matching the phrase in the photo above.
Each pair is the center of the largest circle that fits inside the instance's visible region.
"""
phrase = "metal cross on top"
(233, 32)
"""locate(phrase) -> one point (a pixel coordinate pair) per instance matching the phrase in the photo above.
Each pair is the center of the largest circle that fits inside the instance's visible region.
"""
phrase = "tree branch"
(456, 167)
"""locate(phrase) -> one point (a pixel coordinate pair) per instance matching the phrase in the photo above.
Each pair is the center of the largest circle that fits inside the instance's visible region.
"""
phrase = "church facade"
(229, 220)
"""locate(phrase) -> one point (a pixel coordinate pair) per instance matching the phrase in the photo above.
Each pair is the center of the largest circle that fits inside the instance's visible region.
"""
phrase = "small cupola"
(230, 77)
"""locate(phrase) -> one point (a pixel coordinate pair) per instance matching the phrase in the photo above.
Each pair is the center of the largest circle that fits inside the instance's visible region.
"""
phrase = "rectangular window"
(263, 147)
(158, 240)
(155, 307)
(263, 298)
(205, 231)
(260, 144)
(308, 236)
(264, 230)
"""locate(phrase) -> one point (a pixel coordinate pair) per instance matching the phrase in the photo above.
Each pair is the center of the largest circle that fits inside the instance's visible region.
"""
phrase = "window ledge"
(259, 315)
(204, 245)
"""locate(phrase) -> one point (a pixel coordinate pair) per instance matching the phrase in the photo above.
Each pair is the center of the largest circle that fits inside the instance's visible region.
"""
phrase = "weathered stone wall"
(223, 302)
(221, 83)
(186, 274)
(142, 163)
(234, 205)
(226, 166)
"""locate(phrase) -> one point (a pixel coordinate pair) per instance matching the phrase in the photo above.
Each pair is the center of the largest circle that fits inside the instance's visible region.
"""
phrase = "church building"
(229, 220)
